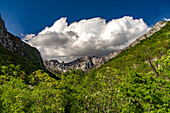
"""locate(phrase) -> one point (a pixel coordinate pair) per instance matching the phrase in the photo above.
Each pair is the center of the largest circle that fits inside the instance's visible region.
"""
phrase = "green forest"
(135, 81)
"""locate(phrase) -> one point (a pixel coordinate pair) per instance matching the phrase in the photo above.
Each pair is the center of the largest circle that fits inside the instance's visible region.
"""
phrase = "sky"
(29, 19)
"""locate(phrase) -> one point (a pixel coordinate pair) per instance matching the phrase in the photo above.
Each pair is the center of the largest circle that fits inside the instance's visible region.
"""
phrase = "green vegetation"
(11, 58)
(137, 80)
(7, 57)
(142, 54)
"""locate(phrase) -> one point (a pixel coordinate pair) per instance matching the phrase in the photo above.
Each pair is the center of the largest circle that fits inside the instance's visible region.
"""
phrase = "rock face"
(15, 44)
(86, 63)
(89, 62)
(80, 63)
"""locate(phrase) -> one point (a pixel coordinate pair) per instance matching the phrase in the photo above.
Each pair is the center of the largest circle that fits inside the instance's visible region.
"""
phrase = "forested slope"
(137, 80)
(8, 57)
(141, 57)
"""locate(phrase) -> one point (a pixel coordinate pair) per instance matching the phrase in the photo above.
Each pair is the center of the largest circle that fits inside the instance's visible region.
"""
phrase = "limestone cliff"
(15, 44)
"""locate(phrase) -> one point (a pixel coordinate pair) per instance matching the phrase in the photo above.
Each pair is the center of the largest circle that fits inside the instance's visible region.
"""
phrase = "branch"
(110, 103)
(152, 66)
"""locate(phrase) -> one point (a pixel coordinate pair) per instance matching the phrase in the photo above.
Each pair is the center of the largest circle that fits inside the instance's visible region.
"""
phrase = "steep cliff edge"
(16, 45)
(90, 62)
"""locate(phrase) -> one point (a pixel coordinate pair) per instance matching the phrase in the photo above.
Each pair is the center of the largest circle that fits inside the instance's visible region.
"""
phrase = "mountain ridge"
(89, 62)
(17, 46)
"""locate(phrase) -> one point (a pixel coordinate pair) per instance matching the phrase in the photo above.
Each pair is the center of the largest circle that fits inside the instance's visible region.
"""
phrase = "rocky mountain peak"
(156, 28)
(2, 25)
(15, 44)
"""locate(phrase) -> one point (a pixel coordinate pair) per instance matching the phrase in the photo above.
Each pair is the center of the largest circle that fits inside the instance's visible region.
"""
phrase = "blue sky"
(31, 16)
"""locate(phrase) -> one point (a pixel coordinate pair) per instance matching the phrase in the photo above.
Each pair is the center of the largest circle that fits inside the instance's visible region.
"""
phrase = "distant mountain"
(85, 63)
(89, 62)
(14, 51)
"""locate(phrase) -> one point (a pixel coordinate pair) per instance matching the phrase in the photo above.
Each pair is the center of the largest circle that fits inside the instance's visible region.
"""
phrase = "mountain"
(89, 62)
(136, 80)
(14, 51)
(142, 53)
(85, 63)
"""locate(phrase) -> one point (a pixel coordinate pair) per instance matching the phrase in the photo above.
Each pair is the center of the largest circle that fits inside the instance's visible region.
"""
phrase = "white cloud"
(86, 38)
(167, 19)
(28, 37)
(22, 34)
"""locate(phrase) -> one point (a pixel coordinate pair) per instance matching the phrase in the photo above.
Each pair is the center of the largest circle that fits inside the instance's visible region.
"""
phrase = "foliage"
(16, 96)
(137, 80)
(7, 71)
(138, 57)
(7, 57)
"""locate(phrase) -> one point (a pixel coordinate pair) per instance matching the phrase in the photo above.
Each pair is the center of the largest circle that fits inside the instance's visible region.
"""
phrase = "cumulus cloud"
(88, 37)
(28, 37)
(167, 19)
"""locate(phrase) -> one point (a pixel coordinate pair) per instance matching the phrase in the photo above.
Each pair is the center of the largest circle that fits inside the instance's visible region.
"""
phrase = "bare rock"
(15, 44)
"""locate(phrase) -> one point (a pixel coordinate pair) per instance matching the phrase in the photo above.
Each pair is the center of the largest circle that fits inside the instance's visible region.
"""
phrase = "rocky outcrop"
(89, 62)
(86, 63)
(80, 63)
(15, 44)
